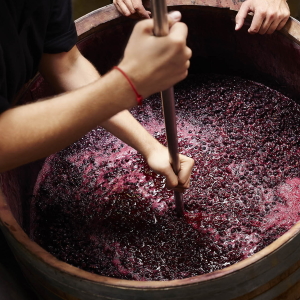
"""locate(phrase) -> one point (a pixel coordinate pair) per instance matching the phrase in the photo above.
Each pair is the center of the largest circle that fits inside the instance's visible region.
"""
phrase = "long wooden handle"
(161, 28)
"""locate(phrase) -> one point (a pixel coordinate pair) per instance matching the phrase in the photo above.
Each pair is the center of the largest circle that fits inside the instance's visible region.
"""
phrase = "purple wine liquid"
(99, 207)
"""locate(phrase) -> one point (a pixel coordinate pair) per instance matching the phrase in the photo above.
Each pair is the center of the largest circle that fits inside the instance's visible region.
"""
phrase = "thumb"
(186, 168)
(173, 17)
(171, 178)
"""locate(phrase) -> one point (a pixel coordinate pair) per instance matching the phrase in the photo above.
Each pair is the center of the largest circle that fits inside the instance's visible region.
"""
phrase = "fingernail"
(236, 26)
(175, 15)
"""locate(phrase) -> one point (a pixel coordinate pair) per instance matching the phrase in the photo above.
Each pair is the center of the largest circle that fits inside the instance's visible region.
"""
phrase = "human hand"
(132, 8)
(269, 15)
(159, 162)
(157, 63)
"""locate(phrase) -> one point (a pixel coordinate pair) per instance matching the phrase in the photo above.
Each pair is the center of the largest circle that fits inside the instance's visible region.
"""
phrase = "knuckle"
(285, 15)
(190, 53)
(179, 43)
(191, 160)
(187, 64)
(186, 185)
(273, 15)
(253, 30)
(183, 75)
(280, 16)
(137, 7)
(261, 13)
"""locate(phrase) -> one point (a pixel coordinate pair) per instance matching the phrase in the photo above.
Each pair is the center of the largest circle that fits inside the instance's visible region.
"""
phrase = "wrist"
(137, 76)
(153, 148)
(122, 87)
(139, 98)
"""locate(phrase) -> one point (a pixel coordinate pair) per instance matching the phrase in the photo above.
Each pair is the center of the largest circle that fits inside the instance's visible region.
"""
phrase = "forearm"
(36, 130)
(130, 131)
(81, 72)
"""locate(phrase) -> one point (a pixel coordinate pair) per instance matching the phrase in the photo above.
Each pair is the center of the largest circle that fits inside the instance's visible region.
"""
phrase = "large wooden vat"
(274, 272)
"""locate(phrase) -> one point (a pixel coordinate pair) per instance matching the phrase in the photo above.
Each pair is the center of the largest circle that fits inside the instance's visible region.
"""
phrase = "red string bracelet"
(139, 98)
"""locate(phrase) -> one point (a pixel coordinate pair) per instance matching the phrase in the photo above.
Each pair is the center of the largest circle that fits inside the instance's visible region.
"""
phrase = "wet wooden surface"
(13, 285)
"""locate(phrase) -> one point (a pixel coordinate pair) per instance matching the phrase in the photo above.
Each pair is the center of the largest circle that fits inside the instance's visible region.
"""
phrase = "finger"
(185, 171)
(265, 26)
(173, 17)
(187, 64)
(272, 27)
(257, 22)
(271, 22)
(188, 53)
(139, 9)
(130, 5)
(146, 26)
(184, 187)
(241, 15)
(178, 32)
(171, 179)
(180, 189)
(122, 8)
(283, 22)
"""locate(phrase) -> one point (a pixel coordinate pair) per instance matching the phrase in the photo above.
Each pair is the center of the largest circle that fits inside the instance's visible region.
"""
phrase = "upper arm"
(67, 70)
(55, 65)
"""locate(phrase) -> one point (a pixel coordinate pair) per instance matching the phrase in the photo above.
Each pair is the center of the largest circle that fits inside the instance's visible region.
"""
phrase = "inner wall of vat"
(217, 48)
(270, 59)
(273, 60)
